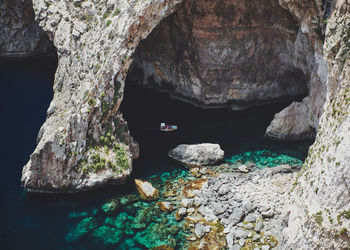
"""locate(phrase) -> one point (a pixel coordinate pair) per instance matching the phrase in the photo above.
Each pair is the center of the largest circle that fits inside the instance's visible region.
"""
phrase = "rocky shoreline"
(208, 207)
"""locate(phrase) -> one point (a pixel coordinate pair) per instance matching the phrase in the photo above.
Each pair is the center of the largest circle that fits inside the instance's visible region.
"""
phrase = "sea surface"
(32, 221)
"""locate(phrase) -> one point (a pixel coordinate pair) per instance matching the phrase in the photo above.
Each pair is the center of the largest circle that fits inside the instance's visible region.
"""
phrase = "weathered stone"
(243, 169)
(241, 242)
(229, 240)
(250, 218)
(92, 69)
(283, 169)
(180, 213)
(146, 190)
(258, 226)
(197, 154)
(200, 230)
(165, 206)
(265, 247)
(219, 41)
(292, 123)
(239, 233)
(268, 214)
(248, 226)
(236, 216)
(187, 202)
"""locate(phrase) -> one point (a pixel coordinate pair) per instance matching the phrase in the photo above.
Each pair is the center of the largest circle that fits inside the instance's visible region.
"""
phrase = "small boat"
(167, 127)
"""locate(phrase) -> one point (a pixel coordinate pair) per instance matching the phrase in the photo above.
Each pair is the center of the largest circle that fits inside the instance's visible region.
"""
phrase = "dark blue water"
(42, 221)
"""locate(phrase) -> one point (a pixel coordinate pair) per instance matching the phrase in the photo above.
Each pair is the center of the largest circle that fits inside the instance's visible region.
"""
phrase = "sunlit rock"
(146, 190)
(165, 206)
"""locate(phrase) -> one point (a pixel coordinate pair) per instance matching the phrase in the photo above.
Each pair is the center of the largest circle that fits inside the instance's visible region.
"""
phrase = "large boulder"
(146, 190)
(292, 123)
(198, 154)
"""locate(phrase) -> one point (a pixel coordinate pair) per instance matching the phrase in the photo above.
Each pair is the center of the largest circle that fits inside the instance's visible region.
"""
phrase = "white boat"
(167, 127)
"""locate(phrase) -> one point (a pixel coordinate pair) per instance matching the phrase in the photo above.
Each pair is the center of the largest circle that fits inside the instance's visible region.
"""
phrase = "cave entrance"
(235, 131)
(205, 60)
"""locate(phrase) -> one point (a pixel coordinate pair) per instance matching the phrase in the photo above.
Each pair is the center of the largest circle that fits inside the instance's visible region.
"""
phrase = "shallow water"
(43, 221)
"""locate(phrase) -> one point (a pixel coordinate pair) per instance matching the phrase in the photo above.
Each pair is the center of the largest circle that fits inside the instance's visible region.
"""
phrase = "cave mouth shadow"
(242, 59)
(235, 131)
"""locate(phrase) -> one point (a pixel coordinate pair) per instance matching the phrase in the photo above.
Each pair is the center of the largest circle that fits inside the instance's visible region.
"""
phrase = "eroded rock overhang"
(225, 53)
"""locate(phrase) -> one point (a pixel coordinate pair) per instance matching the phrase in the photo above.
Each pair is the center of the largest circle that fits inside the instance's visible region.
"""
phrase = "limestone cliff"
(320, 205)
(312, 18)
(20, 35)
(85, 142)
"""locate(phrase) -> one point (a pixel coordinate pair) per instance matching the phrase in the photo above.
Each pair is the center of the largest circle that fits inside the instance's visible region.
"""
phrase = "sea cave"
(258, 91)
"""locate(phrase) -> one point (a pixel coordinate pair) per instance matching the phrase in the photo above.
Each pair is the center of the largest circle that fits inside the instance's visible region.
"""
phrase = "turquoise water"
(34, 221)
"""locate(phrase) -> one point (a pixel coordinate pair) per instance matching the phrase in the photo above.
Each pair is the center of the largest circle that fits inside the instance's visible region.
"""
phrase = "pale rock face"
(20, 35)
(322, 191)
(308, 56)
(198, 154)
(292, 123)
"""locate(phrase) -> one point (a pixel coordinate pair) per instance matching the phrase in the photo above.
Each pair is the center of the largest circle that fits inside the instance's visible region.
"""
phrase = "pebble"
(248, 226)
(187, 202)
(268, 214)
(243, 169)
(235, 247)
(258, 226)
(229, 239)
(190, 210)
(241, 242)
(200, 230)
(256, 237)
(250, 218)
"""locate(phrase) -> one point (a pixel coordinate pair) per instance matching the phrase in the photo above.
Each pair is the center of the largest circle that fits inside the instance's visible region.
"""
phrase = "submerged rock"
(143, 218)
(108, 235)
(118, 222)
(146, 190)
(198, 154)
(155, 235)
(110, 206)
(84, 226)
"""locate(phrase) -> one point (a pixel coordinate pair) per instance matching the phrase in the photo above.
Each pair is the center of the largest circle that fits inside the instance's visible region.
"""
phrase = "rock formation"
(85, 142)
(20, 35)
